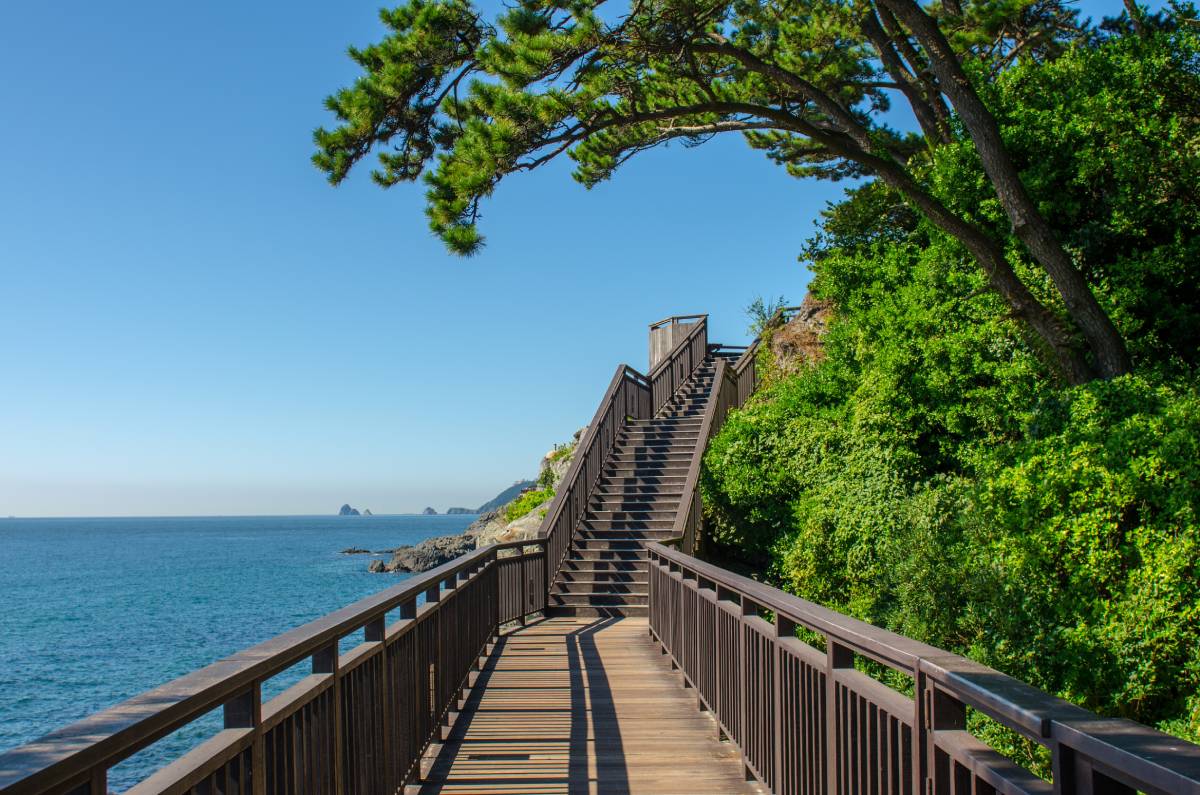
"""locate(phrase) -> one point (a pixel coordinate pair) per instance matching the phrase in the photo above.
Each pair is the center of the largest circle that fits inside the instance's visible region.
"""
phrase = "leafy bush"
(931, 475)
(522, 505)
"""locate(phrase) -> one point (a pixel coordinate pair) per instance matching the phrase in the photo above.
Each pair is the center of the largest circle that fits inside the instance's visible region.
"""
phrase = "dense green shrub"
(931, 475)
(522, 505)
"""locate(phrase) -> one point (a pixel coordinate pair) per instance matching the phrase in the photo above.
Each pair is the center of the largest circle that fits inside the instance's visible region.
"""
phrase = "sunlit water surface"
(93, 611)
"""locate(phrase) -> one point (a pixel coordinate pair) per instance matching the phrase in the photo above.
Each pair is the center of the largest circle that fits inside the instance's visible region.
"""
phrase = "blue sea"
(93, 611)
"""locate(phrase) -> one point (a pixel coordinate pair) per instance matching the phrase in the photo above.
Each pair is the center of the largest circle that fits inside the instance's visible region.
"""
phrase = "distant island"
(429, 512)
(456, 511)
(346, 510)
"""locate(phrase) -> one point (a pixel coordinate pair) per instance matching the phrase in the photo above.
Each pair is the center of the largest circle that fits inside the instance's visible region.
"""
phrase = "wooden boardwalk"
(582, 705)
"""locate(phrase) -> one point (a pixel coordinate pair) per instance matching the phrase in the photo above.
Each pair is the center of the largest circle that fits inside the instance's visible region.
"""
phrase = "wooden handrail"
(680, 347)
(686, 526)
(628, 394)
(479, 591)
(799, 714)
(675, 319)
(670, 374)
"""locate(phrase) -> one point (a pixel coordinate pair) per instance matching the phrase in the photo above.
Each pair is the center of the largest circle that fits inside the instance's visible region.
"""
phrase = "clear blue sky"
(194, 322)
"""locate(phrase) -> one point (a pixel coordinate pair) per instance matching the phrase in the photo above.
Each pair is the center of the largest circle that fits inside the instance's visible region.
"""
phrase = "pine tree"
(462, 102)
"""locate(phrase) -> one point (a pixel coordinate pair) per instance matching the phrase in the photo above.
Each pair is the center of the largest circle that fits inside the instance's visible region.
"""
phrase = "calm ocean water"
(93, 611)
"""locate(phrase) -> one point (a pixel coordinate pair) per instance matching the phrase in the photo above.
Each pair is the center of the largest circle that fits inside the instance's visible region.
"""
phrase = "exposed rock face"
(346, 510)
(377, 566)
(429, 512)
(798, 343)
(458, 511)
(429, 554)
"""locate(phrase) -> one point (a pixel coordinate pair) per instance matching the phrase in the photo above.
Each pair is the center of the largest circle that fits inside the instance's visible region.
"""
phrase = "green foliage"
(563, 452)
(462, 102)
(760, 311)
(522, 505)
(929, 476)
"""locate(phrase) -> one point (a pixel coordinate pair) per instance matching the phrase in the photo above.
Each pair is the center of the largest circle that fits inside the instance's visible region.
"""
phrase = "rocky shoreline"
(491, 527)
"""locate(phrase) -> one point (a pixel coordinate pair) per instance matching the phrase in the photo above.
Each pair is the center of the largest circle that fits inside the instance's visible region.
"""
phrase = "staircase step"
(573, 611)
(645, 470)
(662, 426)
(606, 555)
(628, 516)
(594, 577)
(585, 566)
(615, 544)
(611, 526)
(661, 483)
(634, 504)
(583, 587)
(641, 535)
(598, 600)
(652, 458)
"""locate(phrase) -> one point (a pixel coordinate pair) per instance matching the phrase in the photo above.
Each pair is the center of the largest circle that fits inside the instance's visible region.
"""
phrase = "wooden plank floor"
(582, 705)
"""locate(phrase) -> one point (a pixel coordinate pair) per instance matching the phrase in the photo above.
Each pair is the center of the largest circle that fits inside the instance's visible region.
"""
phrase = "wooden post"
(836, 656)
(784, 628)
(244, 711)
(325, 661)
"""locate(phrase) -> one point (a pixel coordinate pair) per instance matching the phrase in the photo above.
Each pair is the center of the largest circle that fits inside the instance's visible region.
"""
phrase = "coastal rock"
(355, 551)
(377, 566)
(798, 343)
(492, 525)
(429, 554)
(429, 512)
(346, 510)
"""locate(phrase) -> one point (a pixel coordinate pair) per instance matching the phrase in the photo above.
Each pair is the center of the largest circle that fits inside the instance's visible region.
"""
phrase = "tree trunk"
(1000, 273)
(1106, 344)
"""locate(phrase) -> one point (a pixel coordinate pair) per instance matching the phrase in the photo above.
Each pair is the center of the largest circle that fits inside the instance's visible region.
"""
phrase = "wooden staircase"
(635, 500)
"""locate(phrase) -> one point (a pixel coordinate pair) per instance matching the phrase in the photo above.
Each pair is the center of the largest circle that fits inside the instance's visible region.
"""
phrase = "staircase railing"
(628, 395)
(357, 725)
(722, 398)
(733, 384)
(807, 720)
(688, 354)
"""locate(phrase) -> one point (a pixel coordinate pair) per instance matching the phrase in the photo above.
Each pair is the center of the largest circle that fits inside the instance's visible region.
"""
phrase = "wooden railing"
(810, 721)
(356, 726)
(733, 384)
(678, 366)
(722, 398)
(628, 395)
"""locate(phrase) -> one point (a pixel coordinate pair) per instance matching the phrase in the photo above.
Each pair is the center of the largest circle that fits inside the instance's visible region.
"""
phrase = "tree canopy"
(462, 102)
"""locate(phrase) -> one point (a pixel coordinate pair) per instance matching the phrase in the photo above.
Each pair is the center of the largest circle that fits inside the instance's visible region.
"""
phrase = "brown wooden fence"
(733, 384)
(808, 720)
(630, 396)
(356, 726)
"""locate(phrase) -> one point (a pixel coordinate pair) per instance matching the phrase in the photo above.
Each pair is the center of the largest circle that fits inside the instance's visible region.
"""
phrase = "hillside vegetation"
(934, 474)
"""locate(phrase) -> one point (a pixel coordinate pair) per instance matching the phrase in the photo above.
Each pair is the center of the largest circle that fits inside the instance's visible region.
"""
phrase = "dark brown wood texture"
(582, 705)
(808, 720)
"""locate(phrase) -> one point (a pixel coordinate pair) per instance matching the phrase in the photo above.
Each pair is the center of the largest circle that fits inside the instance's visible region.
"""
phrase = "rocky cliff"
(797, 343)
(517, 519)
